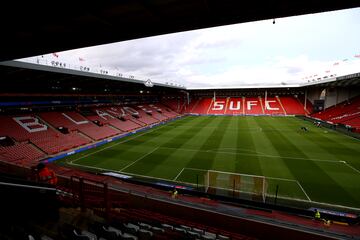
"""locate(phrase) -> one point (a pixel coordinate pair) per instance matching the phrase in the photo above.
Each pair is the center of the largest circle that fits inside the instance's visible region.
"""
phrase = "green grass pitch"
(319, 165)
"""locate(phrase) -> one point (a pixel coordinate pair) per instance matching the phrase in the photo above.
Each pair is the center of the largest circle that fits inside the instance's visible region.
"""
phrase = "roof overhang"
(77, 71)
(341, 81)
(31, 28)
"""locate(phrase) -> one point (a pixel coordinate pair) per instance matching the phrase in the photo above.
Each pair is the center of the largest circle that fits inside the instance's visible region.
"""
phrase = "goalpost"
(236, 185)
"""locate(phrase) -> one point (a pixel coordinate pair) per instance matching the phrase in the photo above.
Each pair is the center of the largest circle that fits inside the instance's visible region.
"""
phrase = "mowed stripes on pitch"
(224, 144)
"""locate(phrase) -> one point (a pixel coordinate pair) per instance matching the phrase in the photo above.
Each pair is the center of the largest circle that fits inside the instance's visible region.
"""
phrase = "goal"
(236, 185)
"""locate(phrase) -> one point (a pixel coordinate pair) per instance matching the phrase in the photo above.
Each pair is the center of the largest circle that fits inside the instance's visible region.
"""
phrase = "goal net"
(235, 185)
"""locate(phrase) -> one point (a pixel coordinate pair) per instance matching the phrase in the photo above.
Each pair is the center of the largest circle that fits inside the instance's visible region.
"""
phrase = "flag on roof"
(55, 54)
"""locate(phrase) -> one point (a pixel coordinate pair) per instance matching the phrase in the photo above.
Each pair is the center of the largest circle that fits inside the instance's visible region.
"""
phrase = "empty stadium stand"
(200, 106)
(35, 136)
(114, 117)
(217, 107)
(293, 106)
(347, 113)
(76, 122)
(249, 106)
(235, 107)
(146, 115)
(156, 112)
(177, 104)
(166, 111)
(30, 128)
(21, 153)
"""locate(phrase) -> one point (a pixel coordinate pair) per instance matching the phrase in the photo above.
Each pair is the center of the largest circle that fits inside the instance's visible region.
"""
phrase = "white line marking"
(86, 166)
(295, 199)
(124, 141)
(303, 191)
(248, 175)
(112, 170)
(139, 159)
(350, 166)
(178, 174)
(144, 176)
(256, 155)
(237, 150)
(197, 169)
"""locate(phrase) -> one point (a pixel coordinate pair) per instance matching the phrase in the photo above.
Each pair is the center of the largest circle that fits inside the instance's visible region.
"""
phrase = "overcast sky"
(256, 53)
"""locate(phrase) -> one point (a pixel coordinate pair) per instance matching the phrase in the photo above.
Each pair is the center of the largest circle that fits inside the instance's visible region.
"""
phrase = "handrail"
(28, 186)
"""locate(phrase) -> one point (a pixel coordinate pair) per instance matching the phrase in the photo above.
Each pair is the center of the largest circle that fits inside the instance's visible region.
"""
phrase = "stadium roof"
(23, 78)
(30, 28)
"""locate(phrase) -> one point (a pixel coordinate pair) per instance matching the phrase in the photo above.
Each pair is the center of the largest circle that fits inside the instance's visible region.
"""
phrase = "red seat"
(22, 153)
(347, 113)
(248, 106)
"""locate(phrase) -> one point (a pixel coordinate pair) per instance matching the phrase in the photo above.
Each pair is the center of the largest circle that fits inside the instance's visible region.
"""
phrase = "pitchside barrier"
(279, 192)
(108, 140)
(337, 127)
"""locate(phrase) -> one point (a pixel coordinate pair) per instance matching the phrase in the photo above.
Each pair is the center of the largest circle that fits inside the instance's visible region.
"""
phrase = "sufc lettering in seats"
(73, 120)
(234, 108)
(218, 105)
(236, 105)
(30, 124)
(103, 115)
(268, 107)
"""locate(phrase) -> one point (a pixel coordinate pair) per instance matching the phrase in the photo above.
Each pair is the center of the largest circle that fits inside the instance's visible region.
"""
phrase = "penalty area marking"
(240, 150)
(252, 154)
(296, 199)
(302, 189)
(244, 174)
(124, 141)
(248, 175)
(112, 170)
(346, 164)
(178, 174)
(143, 156)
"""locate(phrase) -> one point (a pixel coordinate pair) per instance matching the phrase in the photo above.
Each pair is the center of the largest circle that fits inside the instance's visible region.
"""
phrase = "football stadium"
(178, 137)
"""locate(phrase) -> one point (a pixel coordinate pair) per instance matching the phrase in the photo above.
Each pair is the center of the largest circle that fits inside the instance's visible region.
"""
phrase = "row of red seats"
(177, 104)
(40, 129)
(347, 112)
(61, 142)
(167, 111)
(200, 106)
(109, 116)
(31, 128)
(133, 117)
(248, 106)
(74, 121)
(20, 153)
(336, 111)
(355, 123)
